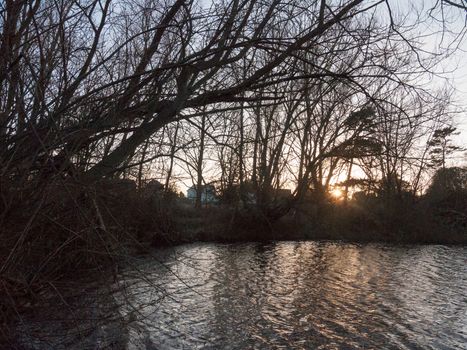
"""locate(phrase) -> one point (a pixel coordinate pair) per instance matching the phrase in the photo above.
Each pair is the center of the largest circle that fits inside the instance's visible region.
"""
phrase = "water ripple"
(294, 295)
(302, 295)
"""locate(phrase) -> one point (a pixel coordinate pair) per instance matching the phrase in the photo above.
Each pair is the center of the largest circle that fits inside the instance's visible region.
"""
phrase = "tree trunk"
(199, 165)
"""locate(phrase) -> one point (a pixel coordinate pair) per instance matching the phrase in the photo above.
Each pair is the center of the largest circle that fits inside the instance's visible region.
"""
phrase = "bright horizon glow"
(337, 193)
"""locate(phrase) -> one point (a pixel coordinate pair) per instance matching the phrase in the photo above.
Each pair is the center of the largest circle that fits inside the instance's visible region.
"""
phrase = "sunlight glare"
(337, 193)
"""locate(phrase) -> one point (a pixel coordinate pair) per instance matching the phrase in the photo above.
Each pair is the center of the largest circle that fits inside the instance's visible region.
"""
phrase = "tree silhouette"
(441, 146)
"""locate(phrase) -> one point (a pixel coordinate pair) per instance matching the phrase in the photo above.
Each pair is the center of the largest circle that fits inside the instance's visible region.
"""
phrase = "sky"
(460, 83)
(454, 67)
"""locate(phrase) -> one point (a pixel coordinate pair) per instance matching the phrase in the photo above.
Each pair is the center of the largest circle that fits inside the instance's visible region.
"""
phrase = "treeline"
(256, 95)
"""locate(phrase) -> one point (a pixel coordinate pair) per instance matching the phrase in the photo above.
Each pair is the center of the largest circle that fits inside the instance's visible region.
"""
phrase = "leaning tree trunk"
(199, 165)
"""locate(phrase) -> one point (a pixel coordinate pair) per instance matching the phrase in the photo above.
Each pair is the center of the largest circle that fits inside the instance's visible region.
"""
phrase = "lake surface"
(294, 295)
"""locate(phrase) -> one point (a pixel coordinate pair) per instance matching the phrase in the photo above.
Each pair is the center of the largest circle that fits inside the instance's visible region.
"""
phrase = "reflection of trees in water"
(307, 294)
(327, 293)
(298, 295)
(294, 293)
(173, 314)
(240, 274)
(427, 284)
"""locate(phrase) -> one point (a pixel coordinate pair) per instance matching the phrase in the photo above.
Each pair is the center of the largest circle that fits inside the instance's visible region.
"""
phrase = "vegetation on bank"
(79, 229)
(439, 216)
(61, 229)
(99, 96)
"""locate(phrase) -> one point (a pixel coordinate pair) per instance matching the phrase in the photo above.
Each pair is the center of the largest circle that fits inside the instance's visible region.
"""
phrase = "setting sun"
(337, 193)
(292, 173)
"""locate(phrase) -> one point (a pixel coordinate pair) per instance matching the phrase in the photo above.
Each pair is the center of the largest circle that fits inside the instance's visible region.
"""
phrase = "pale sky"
(455, 67)
(460, 83)
(436, 36)
(456, 64)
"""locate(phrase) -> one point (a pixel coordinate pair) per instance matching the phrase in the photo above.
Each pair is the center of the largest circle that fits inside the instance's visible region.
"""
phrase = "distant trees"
(254, 95)
(251, 95)
(97, 89)
(441, 146)
(80, 79)
(85, 85)
(447, 197)
(448, 181)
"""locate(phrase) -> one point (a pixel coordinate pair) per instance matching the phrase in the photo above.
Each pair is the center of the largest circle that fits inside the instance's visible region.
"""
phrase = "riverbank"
(88, 234)
(242, 295)
(333, 222)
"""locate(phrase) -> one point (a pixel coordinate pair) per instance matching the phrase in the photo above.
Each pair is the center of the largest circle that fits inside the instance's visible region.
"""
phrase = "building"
(208, 194)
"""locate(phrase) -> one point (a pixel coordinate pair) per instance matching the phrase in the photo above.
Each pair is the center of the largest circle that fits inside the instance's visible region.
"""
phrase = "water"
(295, 295)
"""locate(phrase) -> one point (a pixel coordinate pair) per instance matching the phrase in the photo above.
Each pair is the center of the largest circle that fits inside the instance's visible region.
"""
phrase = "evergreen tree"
(441, 146)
